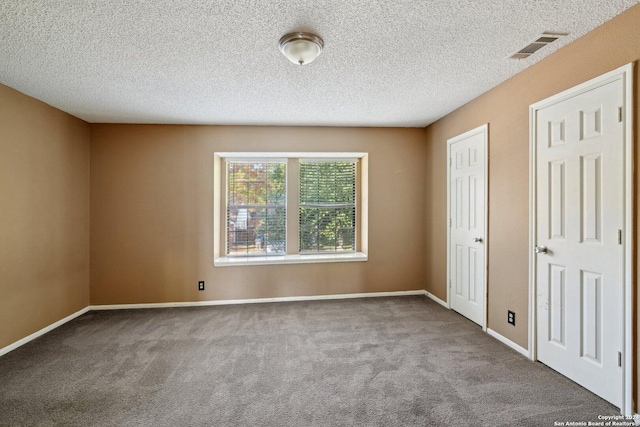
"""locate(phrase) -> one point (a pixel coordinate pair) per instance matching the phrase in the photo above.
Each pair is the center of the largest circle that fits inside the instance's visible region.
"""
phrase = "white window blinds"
(327, 206)
(256, 210)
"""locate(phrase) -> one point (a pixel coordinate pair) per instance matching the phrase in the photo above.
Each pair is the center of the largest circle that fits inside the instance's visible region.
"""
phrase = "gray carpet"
(401, 361)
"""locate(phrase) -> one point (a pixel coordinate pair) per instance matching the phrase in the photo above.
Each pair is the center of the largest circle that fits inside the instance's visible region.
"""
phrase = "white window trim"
(220, 203)
(289, 259)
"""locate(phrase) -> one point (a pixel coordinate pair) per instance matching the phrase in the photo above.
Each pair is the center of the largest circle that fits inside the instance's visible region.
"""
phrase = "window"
(290, 207)
(327, 206)
(256, 210)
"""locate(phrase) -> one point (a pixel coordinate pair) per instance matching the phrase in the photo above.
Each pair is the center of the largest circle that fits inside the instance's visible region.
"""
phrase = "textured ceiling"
(385, 63)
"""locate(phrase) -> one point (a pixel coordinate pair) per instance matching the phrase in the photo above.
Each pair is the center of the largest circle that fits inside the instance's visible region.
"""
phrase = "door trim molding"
(484, 130)
(625, 74)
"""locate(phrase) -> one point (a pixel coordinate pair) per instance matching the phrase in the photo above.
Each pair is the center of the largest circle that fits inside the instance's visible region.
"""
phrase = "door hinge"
(449, 283)
(449, 222)
(450, 161)
(619, 114)
(619, 237)
(620, 359)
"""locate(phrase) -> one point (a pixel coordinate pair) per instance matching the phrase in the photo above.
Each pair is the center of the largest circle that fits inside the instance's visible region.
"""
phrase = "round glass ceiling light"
(301, 48)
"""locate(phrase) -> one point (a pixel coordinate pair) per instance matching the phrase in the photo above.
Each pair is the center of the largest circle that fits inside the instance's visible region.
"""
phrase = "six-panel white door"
(580, 216)
(467, 167)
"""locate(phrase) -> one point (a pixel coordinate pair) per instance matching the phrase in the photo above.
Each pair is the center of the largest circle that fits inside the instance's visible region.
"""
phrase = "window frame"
(292, 184)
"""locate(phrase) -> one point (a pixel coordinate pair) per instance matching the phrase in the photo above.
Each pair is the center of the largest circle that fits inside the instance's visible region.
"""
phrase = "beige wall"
(44, 215)
(506, 109)
(152, 213)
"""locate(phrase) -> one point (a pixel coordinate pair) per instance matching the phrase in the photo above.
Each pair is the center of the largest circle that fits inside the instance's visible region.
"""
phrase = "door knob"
(477, 239)
(541, 249)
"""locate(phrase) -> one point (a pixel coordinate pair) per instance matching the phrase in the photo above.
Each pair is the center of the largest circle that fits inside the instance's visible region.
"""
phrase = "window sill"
(288, 259)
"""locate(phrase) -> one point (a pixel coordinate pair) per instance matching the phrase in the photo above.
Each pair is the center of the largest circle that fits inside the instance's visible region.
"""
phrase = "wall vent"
(541, 41)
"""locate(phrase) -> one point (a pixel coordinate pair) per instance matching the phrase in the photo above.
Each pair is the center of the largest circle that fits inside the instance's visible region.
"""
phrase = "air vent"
(532, 48)
(541, 41)
(546, 40)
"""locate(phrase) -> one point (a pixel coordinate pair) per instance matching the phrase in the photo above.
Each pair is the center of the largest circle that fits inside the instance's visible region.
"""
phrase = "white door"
(580, 218)
(466, 198)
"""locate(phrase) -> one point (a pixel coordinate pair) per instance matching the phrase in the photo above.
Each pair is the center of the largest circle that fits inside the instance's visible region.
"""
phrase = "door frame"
(625, 74)
(484, 130)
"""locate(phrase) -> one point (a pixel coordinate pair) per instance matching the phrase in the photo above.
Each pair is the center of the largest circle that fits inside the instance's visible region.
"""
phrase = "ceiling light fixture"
(301, 48)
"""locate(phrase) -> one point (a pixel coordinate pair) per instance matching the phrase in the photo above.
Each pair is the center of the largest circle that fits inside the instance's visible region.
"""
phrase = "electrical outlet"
(201, 285)
(511, 317)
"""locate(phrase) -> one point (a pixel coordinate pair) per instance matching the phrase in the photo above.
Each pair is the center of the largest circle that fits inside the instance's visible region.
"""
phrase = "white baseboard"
(60, 322)
(255, 300)
(509, 343)
(436, 299)
(42, 331)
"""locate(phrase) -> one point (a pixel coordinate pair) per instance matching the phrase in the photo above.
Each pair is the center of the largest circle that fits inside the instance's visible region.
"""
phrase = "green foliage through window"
(327, 206)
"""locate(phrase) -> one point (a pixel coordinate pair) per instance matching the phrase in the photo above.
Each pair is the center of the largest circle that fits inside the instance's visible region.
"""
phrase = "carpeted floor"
(400, 361)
